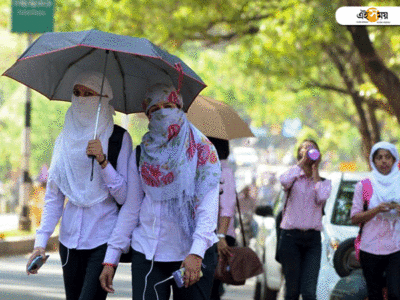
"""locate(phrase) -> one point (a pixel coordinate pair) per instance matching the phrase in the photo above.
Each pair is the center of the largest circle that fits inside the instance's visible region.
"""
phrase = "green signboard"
(32, 16)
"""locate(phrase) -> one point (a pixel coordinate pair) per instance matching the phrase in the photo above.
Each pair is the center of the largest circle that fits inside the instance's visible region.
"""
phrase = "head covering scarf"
(70, 166)
(386, 188)
(178, 164)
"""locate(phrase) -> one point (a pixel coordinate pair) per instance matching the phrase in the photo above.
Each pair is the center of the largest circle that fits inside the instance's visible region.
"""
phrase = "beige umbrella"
(217, 119)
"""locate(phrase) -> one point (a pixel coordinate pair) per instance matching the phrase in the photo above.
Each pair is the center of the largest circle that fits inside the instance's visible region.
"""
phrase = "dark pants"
(300, 256)
(162, 270)
(374, 267)
(81, 271)
(217, 284)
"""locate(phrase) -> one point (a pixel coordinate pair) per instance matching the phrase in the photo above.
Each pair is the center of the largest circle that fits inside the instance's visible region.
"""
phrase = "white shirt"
(86, 227)
(140, 219)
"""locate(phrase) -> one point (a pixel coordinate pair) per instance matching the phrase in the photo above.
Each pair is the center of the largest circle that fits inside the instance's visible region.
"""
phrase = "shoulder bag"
(243, 264)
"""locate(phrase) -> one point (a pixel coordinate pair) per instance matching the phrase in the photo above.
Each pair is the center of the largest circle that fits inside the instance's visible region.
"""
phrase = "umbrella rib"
(69, 66)
(123, 78)
(157, 66)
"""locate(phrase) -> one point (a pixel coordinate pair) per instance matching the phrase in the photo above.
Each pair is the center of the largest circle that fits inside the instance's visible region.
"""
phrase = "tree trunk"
(384, 79)
(363, 126)
(373, 121)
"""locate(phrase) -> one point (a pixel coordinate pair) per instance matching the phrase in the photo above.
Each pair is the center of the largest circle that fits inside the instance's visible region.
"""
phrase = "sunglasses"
(162, 105)
(83, 91)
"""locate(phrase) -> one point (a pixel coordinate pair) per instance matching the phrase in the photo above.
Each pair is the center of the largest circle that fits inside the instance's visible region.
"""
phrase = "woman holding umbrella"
(91, 212)
(170, 215)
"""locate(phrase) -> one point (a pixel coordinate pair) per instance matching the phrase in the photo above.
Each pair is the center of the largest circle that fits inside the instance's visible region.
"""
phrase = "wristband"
(108, 264)
(220, 235)
(102, 162)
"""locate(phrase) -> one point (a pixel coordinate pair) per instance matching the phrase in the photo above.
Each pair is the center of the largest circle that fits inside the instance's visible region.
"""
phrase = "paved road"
(15, 284)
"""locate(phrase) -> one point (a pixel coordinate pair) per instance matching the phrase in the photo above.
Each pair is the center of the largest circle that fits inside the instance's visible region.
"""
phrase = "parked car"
(352, 284)
(337, 228)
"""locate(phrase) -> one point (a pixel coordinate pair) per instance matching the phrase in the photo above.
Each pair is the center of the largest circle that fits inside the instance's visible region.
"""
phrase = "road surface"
(16, 284)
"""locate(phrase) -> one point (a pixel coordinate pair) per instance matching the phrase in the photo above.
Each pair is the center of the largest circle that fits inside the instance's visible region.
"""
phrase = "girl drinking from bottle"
(299, 247)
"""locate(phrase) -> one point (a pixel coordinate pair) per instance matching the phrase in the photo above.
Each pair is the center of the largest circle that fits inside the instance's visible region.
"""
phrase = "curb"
(20, 246)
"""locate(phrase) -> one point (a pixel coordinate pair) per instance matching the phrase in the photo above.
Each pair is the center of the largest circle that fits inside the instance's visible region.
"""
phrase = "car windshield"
(342, 208)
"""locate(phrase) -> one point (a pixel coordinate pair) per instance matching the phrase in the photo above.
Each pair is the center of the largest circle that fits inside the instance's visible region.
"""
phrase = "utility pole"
(25, 187)
(31, 17)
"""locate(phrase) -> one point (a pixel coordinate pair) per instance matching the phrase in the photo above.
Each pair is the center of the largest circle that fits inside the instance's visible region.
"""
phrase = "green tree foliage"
(271, 60)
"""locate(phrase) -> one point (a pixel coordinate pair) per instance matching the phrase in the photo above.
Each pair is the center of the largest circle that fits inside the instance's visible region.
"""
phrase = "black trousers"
(374, 267)
(145, 281)
(216, 289)
(300, 256)
(81, 272)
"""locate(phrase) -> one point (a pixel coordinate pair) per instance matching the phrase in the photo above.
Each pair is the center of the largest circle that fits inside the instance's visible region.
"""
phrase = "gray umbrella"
(51, 64)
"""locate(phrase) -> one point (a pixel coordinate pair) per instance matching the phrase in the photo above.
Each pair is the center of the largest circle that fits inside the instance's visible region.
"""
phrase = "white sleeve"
(206, 219)
(116, 180)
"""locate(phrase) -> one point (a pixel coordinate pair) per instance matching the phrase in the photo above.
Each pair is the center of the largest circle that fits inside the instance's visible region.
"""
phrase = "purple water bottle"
(313, 154)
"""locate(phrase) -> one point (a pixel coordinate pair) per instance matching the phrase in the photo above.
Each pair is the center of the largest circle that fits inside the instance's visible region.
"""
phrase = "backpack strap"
(115, 144)
(138, 150)
(367, 192)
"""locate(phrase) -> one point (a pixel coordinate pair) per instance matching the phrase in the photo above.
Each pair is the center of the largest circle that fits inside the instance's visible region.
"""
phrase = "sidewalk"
(23, 245)
(8, 222)
(19, 245)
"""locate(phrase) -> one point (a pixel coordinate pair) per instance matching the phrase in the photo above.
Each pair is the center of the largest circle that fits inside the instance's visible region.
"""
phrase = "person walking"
(380, 237)
(170, 215)
(226, 215)
(248, 204)
(91, 212)
(299, 249)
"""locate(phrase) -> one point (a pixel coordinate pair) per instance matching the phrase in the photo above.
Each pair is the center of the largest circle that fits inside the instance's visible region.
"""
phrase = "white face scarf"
(386, 188)
(70, 166)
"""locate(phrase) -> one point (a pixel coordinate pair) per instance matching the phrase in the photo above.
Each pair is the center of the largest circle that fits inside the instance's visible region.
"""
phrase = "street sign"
(32, 16)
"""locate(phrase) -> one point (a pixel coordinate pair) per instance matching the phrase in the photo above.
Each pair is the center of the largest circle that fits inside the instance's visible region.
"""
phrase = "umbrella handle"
(91, 174)
(98, 109)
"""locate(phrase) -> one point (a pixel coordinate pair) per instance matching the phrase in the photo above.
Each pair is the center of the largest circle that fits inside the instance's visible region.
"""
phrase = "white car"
(337, 228)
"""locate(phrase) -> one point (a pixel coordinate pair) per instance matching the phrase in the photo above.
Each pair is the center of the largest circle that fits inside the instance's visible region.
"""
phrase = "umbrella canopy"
(51, 64)
(217, 119)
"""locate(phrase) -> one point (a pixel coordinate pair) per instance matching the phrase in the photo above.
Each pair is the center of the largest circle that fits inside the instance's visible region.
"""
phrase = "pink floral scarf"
(178, 164)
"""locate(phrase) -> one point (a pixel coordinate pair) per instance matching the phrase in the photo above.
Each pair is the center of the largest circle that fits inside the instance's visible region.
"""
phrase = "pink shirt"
(227, 201)
(306, 200)
(378, 235)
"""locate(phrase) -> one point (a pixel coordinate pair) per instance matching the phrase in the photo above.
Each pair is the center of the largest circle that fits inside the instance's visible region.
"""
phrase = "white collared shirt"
(140, 218)
(86, 227)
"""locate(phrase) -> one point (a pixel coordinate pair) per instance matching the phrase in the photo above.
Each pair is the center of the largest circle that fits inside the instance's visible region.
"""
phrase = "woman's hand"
(106, 278)
(366, 216)
(315, 171)
(95, 149)
(36, 252)
(304, 160)
(192, 265)
(384, 207)
(396, 206)
(223, 248)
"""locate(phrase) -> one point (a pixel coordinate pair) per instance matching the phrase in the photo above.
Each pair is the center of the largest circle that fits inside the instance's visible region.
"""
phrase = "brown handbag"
(243, 264)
